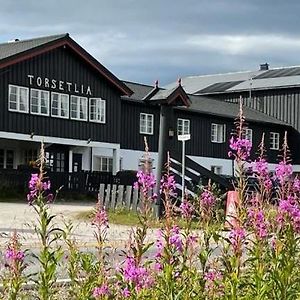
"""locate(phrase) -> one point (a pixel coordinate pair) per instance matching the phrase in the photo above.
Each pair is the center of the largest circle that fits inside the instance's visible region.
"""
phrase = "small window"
(274, 140)
(18, 98)
(30, 155)
(183, 126)
(97, 110)
(146, 123)
(216, 169)
(59, 105)
(39, 102)
(248, 134)
(79, 108)
(104, 164)
(218, 132)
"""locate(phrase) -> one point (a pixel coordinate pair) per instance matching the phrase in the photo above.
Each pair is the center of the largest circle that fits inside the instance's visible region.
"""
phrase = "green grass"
(131, 218)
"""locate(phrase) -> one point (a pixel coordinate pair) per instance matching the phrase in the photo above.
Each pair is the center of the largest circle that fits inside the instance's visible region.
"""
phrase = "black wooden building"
(52, 90)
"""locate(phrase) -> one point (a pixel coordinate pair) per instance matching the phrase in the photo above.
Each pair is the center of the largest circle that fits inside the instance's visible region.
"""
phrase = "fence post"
(113, 197)
(120, 195)
(107, 197)
(128, 196)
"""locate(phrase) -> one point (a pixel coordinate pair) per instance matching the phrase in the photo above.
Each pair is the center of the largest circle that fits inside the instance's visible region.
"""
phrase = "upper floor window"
(183, 126)
(97, 110)
(79, 108)
(59, 105)
(248, 134)
(18, 98)
(274, 140)
(218, 133)
(39, 102)
(146, 123)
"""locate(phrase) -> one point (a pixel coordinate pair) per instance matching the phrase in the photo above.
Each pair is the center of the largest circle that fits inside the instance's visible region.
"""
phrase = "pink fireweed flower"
(175, 239)
(296, 185)
(256, 220)
(14, 255)
(36, 187)
(260, 167)
(168, 185)
(126, 293)
(240, 148)
(283, 171)
(187, 209)
(207, 202)
(237, 237)
(146, 183)
(103, 290)
(289, 210)
(213, 282)
(137, 275)
(100, 218)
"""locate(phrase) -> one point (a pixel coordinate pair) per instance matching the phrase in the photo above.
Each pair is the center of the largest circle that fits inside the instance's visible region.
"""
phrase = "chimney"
(264, 67)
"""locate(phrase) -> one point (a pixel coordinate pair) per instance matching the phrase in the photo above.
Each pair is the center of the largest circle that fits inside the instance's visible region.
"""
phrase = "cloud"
(245, 44)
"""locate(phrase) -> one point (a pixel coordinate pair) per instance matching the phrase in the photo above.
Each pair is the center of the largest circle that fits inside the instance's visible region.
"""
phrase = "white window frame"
(39, 102)
(248, 134)
(79, 99)
(181, 125)
(18, 98)
(215, 128)
(108, 160)
(144, 128)
(59, 101)
(100, 106)
(274, 140)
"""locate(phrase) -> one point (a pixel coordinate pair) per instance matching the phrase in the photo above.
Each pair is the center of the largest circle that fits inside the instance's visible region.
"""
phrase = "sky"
(144, 41)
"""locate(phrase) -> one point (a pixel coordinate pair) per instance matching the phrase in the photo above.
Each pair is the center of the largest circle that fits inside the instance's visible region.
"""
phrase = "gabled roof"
(15, 47)
(204, 105)
(222, 108)
(241, 81)
(20, 50)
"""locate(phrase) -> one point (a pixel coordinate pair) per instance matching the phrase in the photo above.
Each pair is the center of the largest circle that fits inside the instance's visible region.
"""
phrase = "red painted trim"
(178, 93)
(79, 51)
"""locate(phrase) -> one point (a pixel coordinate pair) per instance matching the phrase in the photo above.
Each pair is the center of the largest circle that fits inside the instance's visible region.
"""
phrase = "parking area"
(21, 217)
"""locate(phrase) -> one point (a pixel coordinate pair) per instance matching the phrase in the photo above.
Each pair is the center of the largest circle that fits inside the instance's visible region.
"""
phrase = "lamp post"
(183, 138)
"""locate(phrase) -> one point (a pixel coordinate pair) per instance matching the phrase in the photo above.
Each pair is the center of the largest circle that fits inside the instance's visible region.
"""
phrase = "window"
(97, 110)
(55, 161)
(6, 159)
(30, 155)
(274, 140)
(146, 123)
(218, 132)
(104, 164)
(18, 98)
(39, 102)
(79, 108)
(183, 126)
(60, 105)
(248, 134)
(216, 169)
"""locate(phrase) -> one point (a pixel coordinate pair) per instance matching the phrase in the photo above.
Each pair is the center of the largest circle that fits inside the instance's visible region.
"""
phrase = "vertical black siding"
(60, 64)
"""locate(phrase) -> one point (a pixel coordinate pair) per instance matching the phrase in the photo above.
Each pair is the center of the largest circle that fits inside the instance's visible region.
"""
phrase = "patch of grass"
(131, 218)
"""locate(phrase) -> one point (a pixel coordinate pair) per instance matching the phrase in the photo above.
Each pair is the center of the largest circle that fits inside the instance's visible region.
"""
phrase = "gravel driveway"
(21, 217)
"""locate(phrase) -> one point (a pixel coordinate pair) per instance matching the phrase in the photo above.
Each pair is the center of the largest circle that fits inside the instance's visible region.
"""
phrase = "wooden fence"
(114, 196)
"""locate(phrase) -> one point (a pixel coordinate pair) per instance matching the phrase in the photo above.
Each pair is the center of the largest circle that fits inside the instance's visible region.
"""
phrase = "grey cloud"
(143, 40)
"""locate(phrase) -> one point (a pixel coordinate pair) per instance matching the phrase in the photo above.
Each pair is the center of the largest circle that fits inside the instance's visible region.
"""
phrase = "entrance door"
(77, 162)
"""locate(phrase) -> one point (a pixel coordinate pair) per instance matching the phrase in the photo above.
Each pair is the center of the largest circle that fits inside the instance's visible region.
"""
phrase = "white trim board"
(56, 140)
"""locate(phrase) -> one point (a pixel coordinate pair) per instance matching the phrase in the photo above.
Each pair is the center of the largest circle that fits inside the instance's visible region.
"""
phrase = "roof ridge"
(37, 38)
(137, 83)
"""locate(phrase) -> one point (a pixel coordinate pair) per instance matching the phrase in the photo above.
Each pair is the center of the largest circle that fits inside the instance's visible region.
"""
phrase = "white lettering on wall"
(59, 84)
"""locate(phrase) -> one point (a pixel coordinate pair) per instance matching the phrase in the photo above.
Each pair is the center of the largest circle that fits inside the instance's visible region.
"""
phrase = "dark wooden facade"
(200, 129)
(60, 64)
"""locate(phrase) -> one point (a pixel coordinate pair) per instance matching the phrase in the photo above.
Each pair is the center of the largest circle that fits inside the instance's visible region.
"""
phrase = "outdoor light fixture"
(32, 135)
(171, 132)
(89, 140)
